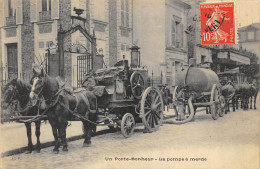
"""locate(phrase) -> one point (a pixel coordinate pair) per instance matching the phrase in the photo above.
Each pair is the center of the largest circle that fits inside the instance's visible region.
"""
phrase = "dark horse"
(63, 105)
(19, 90)
(228, 91)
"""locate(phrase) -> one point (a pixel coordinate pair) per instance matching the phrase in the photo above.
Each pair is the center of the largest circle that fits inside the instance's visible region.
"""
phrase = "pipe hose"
(190, 118)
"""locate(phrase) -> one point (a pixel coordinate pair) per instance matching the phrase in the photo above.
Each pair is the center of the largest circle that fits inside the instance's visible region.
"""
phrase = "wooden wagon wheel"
(127, 125)
(137, 84)
(222, 106)
(151, 109)
(184, 111)
(214, 99)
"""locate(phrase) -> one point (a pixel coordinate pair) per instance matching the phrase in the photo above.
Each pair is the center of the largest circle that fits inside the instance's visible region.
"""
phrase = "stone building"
(221, 57)
(30, 28)
(112, 22)
(249, 38)
(159, 32)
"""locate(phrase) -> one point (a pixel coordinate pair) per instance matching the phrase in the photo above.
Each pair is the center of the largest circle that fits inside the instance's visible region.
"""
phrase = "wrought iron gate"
(84, 65)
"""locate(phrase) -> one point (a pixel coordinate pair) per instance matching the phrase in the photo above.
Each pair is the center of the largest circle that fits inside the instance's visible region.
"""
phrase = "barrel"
(197, 79)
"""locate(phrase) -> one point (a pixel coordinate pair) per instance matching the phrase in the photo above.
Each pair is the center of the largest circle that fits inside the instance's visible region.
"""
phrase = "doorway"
(12, 60)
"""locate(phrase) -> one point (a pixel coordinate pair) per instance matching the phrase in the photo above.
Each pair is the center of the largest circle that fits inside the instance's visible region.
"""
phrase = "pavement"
(230, 142)
(14, 138)
(13, 135)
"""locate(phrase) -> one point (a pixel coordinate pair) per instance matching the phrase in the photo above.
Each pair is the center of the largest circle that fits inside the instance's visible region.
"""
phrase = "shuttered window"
(54, 9)
(33, 7)
(125, 13)
(11, 8)
(176, 34)
(19, 16)
(173, 32)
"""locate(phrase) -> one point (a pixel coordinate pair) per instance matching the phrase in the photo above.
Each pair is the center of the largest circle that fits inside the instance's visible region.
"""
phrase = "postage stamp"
(217, 23)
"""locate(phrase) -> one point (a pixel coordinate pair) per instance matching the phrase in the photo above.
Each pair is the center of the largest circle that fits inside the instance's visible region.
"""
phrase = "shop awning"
(231, 71)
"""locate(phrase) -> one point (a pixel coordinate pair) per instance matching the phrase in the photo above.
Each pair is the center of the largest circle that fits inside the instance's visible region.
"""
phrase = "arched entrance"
(86, 53)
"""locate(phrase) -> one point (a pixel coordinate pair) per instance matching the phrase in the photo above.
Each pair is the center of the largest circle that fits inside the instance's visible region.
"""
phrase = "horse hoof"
(55, 151)
(37, 150)
(65, 149)
(146, 131)
(28, 152)
(86, 144)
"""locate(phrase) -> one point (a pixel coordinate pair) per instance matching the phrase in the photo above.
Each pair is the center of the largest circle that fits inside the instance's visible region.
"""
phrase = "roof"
(253, 25)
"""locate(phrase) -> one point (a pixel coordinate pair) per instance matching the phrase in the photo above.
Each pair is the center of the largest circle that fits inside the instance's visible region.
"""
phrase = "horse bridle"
(42, 85)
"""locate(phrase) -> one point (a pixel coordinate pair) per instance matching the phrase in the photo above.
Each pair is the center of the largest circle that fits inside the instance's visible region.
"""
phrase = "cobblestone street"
(204, 143)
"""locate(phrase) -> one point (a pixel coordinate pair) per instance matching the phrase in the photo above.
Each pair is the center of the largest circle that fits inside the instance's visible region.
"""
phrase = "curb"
(69, 139)
(51, 143)
(43, 145)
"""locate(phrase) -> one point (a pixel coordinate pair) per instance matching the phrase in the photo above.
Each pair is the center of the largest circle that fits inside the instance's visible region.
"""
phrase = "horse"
(63, 105)
(228, 92)
(246, 92)
(253, 92)
(19, 90)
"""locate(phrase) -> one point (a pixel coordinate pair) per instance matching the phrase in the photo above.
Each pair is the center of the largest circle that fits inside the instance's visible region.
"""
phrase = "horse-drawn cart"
(197, 87)
(124, 98)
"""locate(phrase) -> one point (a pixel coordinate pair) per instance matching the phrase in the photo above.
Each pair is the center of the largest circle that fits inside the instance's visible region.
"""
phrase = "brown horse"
(19, 90)
(63, 106)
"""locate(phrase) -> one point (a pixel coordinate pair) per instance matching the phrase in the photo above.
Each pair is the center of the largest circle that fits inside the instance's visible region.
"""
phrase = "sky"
(248, 11)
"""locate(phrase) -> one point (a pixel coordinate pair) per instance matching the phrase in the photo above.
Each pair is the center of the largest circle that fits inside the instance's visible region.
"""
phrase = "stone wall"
(112, 32)
(27, 40)
(65, 24)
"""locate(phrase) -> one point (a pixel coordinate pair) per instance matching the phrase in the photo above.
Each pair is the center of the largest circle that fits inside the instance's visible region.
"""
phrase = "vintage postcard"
(129, 84)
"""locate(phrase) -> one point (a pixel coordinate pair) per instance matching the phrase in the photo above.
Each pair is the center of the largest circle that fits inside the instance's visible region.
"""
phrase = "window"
(11, 8)
(177, 33)
(125, 13)
(251, 35)
(46, 5)
(125, 47)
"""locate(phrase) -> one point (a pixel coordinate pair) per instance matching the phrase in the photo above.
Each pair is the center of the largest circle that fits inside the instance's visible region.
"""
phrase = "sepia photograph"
(129, 84)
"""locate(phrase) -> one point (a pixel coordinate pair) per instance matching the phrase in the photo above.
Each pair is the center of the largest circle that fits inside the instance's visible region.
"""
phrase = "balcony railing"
(11, 21)
(44, 16)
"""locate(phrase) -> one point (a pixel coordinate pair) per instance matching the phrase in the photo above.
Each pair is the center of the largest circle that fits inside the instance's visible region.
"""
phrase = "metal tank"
(197, 79)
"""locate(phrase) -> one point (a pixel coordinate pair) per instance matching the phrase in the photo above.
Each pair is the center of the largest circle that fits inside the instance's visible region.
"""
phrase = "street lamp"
(135, 56)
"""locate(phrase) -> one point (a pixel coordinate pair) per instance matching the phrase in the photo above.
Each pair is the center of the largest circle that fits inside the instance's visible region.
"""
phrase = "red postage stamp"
(217, 23)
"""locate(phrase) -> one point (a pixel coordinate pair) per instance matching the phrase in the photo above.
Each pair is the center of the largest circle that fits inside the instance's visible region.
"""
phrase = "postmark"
(217, 23)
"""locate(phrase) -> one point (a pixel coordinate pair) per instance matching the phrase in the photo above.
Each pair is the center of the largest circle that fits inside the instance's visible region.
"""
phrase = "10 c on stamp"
(217, 23)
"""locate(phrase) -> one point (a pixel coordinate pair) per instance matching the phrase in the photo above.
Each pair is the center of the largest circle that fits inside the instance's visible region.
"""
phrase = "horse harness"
(74, 112)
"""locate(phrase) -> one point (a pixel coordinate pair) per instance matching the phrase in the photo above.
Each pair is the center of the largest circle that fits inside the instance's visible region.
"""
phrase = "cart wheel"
(215, 102)
(137, 84)
(222, 106)
(127, 125)
(151, 110)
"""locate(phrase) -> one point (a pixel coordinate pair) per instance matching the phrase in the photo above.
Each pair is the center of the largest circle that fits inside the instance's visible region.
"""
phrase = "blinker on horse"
(19, 90)
(63, 105)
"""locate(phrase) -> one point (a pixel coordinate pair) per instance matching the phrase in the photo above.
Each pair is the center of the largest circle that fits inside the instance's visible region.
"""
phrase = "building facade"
(30, 28)
(159, 32)
(222, 58)
(249, 38)
(112, 22)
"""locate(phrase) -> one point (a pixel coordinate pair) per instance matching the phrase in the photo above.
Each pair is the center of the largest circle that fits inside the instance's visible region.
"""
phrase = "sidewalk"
(13, 135)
